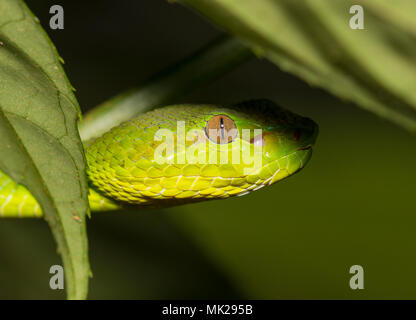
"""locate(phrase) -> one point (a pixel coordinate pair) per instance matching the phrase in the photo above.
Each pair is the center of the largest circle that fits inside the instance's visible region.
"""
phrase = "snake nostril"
(296, 135)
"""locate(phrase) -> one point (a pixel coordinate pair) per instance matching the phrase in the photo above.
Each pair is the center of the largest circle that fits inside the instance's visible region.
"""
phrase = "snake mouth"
(309, 146)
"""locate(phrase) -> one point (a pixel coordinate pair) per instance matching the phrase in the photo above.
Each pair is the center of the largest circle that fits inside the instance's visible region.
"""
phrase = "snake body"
(122, 169)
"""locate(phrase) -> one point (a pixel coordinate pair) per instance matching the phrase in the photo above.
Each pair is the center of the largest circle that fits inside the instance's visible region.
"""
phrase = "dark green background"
(353, 204)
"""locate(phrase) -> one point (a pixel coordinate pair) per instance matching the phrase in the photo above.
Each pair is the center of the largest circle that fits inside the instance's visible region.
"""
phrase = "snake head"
(285, 142)
(188, 153)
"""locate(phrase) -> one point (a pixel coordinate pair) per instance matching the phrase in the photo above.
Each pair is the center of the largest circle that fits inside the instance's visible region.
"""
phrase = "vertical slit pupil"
(222, 127)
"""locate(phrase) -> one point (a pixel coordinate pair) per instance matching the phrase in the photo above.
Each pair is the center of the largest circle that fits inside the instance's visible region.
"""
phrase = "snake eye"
(221, 129)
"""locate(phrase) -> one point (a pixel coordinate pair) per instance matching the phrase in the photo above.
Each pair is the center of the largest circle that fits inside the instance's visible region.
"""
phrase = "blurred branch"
(205, 65)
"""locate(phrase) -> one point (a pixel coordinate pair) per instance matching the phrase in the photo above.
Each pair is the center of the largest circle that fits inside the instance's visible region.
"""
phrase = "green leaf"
(39, 141)
(374, 67)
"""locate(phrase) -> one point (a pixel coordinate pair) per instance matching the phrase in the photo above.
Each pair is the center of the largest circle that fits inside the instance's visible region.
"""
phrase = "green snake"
(123, 169)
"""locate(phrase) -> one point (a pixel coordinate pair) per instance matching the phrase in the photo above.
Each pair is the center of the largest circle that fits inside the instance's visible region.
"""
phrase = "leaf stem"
(207, 64)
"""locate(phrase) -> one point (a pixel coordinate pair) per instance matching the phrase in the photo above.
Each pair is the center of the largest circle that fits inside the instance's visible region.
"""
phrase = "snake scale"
(123, 171)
